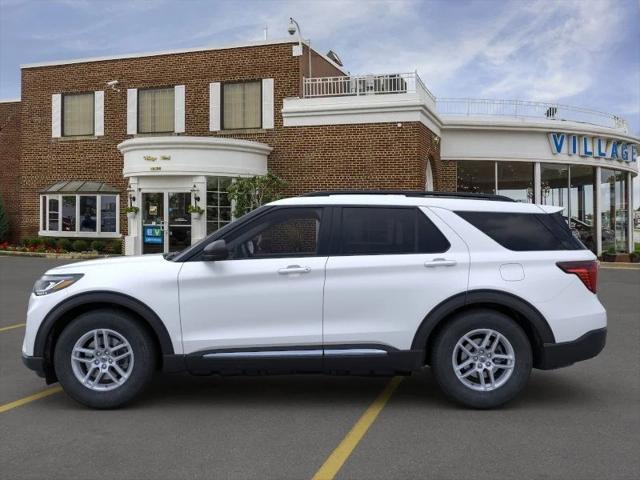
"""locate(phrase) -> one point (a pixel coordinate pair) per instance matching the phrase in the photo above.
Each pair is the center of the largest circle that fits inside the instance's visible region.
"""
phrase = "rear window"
(525, 231)
(388, 231)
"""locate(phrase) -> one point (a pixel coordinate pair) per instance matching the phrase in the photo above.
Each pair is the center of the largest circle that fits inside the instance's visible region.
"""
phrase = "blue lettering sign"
(614, 150)
(586, 148)
(634, 153)
(624, 152)
(557, 142)
(601, 150)
(573, 146)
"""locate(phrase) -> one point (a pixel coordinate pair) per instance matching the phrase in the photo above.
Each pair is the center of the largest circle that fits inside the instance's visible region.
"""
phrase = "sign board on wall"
(596, 147)
(152, 235)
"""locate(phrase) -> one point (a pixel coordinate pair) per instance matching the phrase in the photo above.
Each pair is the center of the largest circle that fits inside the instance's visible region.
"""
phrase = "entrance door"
(166, 224)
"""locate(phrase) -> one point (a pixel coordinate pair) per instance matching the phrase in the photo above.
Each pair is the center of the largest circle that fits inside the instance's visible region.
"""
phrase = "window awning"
(80, 186)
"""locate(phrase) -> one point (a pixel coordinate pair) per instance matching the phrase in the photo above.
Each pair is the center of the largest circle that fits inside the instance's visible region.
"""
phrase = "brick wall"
(381, 155)
(10, 162)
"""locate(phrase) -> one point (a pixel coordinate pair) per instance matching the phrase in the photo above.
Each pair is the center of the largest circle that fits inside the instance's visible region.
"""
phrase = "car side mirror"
(215, 251)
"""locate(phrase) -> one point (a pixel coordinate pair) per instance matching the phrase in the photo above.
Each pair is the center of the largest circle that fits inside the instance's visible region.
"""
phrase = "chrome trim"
(355, 351)
(266, 353)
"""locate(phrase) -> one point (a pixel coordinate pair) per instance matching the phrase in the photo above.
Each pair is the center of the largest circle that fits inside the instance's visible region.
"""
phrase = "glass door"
(179, 236)
(153, 225)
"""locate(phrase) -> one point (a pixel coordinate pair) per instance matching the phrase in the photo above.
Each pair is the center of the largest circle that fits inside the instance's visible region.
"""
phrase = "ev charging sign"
(596, 147)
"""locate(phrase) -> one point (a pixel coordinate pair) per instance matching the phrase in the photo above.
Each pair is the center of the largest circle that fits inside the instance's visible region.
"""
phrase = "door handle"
(293, 269)
(440, 262)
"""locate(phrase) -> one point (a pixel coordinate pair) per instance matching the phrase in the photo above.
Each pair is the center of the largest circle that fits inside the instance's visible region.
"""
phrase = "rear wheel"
(481, 359)
(104, 358)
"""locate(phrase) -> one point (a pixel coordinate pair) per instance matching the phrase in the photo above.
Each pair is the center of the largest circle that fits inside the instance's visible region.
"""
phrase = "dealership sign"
(597, 147)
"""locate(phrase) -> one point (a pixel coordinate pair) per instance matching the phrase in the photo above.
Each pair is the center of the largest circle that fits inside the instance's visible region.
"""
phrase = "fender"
(480, 298)
(104, 298)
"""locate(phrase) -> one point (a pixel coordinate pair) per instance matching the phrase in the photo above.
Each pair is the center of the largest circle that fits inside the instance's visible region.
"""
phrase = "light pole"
(293, 28)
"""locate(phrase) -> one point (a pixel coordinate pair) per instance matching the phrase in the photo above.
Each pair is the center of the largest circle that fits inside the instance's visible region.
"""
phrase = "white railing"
(525, 109)
(355, 85)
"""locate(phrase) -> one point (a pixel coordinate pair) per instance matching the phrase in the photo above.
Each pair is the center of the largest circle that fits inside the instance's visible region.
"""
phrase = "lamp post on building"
(294, 28)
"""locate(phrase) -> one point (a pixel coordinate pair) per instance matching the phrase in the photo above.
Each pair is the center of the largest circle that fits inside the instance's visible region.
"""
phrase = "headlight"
(52, 283)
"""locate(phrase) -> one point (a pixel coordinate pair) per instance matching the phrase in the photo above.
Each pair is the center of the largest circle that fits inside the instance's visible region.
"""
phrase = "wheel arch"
(63, 313)
(526, 315)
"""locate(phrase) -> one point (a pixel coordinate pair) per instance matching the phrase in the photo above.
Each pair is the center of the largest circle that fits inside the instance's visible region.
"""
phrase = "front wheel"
(481, 359)
(104, 358)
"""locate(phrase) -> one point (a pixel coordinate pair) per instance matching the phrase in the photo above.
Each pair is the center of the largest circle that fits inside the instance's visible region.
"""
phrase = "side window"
(290, 232)
(389, 231)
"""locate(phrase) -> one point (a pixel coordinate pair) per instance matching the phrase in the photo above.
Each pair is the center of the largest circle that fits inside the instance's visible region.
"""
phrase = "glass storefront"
(572, 187)
(218, 203)
(614, 208)
(515, 180)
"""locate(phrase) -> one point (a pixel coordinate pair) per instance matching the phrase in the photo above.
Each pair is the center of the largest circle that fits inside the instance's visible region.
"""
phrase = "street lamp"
(293, 28)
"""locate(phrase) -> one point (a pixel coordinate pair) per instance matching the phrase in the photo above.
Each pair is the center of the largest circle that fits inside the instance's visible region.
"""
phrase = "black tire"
(142, 345)
(443, 350)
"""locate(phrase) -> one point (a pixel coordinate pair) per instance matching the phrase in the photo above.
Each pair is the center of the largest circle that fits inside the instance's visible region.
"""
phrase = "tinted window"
(525, 231)
(291, 232)
(377, 231)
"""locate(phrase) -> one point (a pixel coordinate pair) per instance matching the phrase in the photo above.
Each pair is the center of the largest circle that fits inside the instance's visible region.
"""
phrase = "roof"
(175, 51)
(401, 199)
(80, 186)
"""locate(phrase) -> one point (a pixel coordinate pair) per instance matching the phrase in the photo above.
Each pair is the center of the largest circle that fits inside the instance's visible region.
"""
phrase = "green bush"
(4, 223)
(31, 242)
(113, 246)
(48, 242)
(98, 245)
(64, 244)
(80, 246)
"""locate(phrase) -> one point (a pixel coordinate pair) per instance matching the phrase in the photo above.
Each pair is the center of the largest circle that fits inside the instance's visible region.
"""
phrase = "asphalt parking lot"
(582, 422)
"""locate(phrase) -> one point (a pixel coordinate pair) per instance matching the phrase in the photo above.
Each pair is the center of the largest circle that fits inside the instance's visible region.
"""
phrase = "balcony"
(386, 86)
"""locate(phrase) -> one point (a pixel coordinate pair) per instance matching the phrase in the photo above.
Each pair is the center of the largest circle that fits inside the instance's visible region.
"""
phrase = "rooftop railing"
(471, 107)
(356, 85)
(398, 83)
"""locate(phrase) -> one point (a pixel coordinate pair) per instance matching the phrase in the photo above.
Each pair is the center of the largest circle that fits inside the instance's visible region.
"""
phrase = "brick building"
(164, 130)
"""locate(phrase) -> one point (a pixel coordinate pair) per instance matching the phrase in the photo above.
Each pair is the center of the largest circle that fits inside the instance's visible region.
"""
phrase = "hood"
(79, 267)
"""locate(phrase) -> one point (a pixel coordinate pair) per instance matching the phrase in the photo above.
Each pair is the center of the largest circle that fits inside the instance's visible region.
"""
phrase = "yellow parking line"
(333, 464)
(31, 398)
(11, 327)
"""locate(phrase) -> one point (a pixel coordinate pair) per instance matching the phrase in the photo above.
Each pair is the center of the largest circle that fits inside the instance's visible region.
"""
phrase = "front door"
(264, 303)
(166, 224)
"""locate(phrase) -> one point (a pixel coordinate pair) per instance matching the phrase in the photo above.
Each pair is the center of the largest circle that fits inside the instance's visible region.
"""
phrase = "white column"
(630, 212)
(537, 183)
(199, 226)
(132, 241)
(598, 213)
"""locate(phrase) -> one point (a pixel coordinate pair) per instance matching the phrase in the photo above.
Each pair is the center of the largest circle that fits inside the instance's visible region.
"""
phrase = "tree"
(4, 223)
(248, 193)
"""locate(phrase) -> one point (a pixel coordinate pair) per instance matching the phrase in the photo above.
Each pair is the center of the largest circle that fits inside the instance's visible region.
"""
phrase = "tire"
(123, 334)
(473, 390)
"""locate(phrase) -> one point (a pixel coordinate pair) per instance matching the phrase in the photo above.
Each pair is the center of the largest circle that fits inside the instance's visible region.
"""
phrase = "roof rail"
(413, 193)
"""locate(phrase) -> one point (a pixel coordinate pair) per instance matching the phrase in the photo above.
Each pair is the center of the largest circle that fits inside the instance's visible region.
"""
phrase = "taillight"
(586, 271)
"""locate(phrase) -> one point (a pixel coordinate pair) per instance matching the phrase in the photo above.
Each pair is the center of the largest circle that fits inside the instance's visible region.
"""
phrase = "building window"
(515, 180)
(554, 186)
(156, 110)
(79, 215)
(78, 114)
(614, 194)
(218, 203)
(476, 176)
(242, 105)
(581, 204)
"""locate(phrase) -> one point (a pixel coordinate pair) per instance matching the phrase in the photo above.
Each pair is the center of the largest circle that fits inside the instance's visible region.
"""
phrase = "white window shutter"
(214, 106)
(178, 96)
(56, 115)
(132, 111)
(98, 112)
(267, 103)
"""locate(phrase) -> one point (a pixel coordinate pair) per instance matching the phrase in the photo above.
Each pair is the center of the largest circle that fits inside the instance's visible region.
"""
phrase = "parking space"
(582, 422)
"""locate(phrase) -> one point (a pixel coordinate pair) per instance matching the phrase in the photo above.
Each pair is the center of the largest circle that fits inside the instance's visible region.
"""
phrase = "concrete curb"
(63, 256)
(621, 265)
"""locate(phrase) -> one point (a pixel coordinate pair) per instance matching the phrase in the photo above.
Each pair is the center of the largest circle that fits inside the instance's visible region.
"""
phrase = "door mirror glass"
(215, 251)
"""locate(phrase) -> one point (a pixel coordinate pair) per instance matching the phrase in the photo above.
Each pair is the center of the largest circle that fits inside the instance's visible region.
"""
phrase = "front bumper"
(556, 355)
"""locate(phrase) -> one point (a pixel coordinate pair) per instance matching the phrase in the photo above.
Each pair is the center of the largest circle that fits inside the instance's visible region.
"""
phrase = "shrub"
(98, 245)
(64, 244)
(80, 246)
(113, 246)
(48, 242)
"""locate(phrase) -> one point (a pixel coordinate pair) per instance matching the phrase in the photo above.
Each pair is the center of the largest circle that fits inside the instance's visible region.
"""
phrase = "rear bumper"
(556, 355)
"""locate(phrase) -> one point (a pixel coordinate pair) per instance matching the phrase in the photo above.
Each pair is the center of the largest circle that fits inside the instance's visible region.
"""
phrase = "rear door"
(388, 267)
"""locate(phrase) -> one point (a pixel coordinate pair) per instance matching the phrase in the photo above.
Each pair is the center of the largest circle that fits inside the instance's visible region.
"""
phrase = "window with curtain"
(156, 110)
(77, 114)
(242, 105)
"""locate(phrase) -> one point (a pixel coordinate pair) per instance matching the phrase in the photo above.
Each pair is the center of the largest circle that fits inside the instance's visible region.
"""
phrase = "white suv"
(479, 288)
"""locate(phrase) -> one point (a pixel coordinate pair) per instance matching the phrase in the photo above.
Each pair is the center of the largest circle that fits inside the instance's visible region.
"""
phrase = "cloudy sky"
(583, 52)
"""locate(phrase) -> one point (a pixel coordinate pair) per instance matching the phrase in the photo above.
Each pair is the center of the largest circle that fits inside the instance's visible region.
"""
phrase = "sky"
(582, 52)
